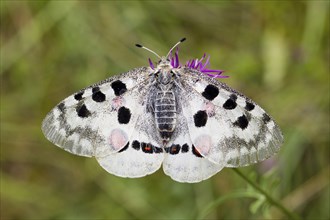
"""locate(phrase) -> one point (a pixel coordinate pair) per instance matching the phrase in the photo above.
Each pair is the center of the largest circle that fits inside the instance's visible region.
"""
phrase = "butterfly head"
(168, 59)
(164, 73)
(171, 60)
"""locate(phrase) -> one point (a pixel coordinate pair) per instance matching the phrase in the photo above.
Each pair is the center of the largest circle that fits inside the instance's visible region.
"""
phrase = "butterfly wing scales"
(182, 163)
(141, 156)
(104, 120)
(223, 125)
(82, 123)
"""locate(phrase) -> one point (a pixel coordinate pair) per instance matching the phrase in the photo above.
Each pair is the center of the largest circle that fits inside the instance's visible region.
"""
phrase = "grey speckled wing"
(103, 120)
(225, 126)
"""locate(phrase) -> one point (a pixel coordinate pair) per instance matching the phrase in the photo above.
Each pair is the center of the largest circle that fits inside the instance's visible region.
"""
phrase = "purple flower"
(175, 60)
(194, 64)
(204, 67)
(151, 64)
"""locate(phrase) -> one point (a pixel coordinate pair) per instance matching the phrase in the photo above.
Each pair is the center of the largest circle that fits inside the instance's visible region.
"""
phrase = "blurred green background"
(276, 52)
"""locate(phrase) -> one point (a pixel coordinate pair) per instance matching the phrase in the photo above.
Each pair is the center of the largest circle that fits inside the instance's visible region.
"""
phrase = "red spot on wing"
(148, 148)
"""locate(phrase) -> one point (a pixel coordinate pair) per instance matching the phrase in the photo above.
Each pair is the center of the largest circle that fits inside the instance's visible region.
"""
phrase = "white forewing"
(83, 123)
(225, 126)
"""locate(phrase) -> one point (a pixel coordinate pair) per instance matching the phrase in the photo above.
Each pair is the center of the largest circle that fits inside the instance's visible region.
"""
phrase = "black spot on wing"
(78, 96)
(118, 87)
(265, 118)
(136, 145)
(82, 111)
(174, 149)
(61, 107)
(146, 148)
(249, 106)
(210, 92)
(195, 152)
(95, 89)
(242, 122)
(200, 118)
(124, 148)
(185, 148)
(98, 96)
(124, 115)
(231, 102)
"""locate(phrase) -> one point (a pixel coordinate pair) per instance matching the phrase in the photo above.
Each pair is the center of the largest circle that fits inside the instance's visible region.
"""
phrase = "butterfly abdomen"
(165, 113)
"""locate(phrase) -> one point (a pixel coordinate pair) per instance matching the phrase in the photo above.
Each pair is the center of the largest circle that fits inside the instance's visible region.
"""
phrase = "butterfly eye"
(173, 74)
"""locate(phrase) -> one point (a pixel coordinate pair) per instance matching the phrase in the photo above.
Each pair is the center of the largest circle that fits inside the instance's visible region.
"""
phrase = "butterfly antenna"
(183, 39)
(143, 47)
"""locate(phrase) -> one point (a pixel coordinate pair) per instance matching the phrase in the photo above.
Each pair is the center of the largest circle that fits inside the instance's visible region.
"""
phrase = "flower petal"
(201, 64)
(151, 64)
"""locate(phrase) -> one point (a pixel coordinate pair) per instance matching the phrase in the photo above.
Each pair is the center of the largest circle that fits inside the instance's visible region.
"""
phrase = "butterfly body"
(162, 98)
(169, 115)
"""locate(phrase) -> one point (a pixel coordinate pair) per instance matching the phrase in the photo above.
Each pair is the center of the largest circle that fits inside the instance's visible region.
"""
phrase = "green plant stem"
(290, 214)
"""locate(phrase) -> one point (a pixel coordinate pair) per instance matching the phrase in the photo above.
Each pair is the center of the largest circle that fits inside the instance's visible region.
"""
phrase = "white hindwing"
(103, 120)
(182, 161)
